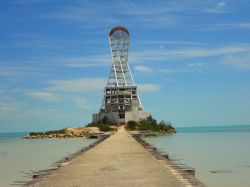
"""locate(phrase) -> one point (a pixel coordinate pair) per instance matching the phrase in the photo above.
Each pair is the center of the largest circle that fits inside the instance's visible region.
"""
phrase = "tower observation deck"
(121, 102)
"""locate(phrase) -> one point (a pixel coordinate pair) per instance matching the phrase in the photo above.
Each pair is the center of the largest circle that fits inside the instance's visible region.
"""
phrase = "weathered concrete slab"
(119, 161)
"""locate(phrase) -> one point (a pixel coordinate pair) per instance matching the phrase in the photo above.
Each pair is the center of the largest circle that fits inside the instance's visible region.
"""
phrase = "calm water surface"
(18, 154)
(225, 150)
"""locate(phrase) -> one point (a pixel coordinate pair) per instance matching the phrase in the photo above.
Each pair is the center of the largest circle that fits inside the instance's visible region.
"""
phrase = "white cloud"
(9, 103)
(195, 65)
(152, 8)
(221, 4)
(144, 69)
(148, 87)
(141, 59)
(30, 1)
(169, 42)
(42, 95)
(97, 12)
(150, 14)
(83, 103)
(8, 72)
(239, 61)
(223, 26)
(170, 54)
(88, 61)
(42, 66)
(234, 55)
(3, 96)
(78, 85)
(219, 8)
(166, 55)
(4, 107)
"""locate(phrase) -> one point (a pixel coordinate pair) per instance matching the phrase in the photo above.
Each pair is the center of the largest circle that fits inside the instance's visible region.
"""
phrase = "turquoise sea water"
(17, 154)
(225, 150)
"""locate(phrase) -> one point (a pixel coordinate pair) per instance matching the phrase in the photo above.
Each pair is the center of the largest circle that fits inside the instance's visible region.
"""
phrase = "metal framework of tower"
(121, 102)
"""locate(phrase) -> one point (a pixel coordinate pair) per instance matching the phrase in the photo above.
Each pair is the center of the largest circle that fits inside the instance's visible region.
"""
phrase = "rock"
(65, 133)
(191, 171)
(60, 135)
(220, 171)
(62, 164)
(34, 176)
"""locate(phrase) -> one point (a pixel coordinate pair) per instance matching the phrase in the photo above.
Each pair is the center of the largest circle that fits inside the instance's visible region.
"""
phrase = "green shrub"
(61, 131)
(131, 125)
(104, 127)
(103, 124)
(91, 125)
(166, 127)
(36, 133)
(150, 124)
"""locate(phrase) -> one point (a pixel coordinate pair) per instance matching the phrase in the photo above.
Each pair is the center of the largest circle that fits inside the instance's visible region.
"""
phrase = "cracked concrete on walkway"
(119, 161)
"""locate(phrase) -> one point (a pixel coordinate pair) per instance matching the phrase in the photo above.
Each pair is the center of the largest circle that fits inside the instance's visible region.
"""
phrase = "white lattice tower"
(121, 89)
(121, 102)
(120, 74)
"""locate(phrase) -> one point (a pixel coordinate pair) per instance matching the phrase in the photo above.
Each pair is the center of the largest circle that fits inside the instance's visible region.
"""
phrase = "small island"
(64, 133)
(147, 127)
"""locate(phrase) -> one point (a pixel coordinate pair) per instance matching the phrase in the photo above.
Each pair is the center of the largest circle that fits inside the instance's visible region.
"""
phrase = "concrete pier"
(119, 161)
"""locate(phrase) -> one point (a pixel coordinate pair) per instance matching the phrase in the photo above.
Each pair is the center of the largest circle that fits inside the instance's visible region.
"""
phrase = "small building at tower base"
(114, 117)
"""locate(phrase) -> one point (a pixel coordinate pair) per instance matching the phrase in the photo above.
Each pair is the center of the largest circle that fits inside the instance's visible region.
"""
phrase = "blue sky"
(190, 59)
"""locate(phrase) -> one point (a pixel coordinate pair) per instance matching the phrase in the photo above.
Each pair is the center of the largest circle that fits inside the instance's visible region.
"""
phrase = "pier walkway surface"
(119, 161)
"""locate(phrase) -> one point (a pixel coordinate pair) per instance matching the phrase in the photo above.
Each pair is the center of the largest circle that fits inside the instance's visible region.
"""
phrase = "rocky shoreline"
(154, 133)
(89, 132)
(94, 132)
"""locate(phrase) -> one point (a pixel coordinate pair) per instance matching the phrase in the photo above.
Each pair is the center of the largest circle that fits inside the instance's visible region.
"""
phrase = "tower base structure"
(116, 118)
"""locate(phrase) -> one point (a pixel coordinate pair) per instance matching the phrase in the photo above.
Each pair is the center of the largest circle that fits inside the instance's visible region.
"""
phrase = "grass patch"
(61, 131)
